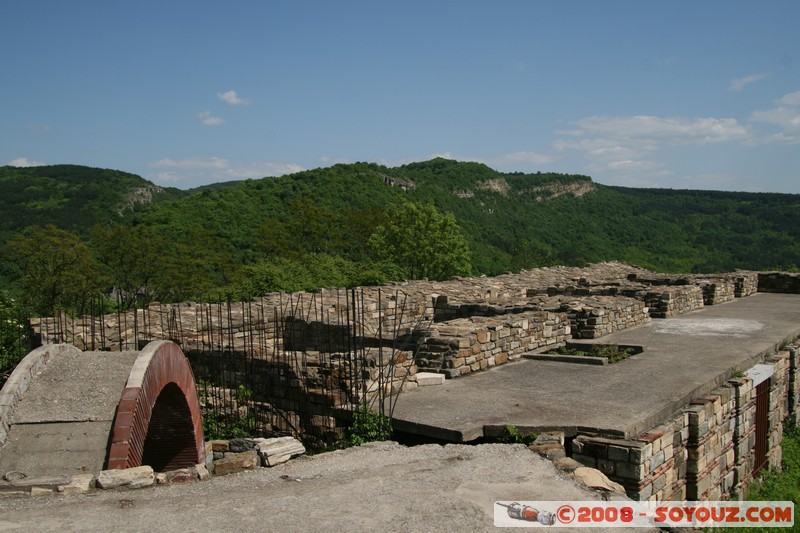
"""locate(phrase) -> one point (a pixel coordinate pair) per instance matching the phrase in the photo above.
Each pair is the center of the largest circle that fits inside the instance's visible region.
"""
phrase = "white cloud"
(192, 163)
(24, 162)
(785, 116)
(628, 150)
(232, 98)
(195, 171)
(328, 160)
(210, 120)
(791, 99)
(515, 160)
(739, 83)
(669, 129)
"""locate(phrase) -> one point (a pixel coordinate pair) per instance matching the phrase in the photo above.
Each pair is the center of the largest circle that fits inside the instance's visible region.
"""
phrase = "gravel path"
(376, 487)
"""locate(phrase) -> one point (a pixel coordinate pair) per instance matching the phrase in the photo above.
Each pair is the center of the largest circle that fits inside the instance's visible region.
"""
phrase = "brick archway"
(158, 420)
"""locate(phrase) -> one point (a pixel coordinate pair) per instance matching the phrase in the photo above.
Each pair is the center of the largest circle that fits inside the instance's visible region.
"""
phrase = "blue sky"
(680, 94)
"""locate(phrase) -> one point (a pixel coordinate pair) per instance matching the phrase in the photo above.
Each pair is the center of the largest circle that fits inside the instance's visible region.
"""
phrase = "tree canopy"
(422, 242)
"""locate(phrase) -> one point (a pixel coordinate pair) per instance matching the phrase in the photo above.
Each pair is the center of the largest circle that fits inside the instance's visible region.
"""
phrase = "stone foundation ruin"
(709, 449)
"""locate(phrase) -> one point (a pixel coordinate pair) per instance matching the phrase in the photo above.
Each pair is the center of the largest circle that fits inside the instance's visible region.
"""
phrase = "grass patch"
(367, 425)
(612, 352)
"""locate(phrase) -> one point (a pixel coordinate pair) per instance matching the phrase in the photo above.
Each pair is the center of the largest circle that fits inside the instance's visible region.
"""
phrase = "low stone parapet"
(466, 345)
(783, 282)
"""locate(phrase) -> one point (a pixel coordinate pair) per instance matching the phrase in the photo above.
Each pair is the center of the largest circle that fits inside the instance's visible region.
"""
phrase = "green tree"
(422, 242)
(131, 257)
(13, 340)
(56, 269)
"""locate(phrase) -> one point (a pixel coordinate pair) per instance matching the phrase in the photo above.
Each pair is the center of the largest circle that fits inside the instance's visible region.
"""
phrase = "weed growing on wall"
(514, 436)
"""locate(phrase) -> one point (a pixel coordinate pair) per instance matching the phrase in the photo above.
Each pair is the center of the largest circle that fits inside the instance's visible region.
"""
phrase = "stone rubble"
(221, 460)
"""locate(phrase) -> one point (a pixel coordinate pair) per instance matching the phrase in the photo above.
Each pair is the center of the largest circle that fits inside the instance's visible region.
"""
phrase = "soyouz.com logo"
(642, 514)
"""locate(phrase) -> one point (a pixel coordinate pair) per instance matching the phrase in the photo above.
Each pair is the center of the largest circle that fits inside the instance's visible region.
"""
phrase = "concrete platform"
(685, 357)
(62, 423)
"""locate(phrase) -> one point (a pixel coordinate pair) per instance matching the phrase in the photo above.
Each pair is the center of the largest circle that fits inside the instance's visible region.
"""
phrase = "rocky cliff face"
(139, 196)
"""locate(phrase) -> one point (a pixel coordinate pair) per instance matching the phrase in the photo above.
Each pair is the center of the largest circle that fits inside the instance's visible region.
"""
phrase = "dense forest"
(68, 233)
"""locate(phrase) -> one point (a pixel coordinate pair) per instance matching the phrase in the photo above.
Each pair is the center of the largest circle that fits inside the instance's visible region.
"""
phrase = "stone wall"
(458, 347)
(746, 284)
(707, 451)
(717, 291)
(674, 301)
(597, 292)
(650, 467)
(783, 282)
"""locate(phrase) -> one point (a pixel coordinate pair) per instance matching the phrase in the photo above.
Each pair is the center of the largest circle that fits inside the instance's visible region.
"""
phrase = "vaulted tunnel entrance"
(158, 420)
(110, 410)
(169, 444)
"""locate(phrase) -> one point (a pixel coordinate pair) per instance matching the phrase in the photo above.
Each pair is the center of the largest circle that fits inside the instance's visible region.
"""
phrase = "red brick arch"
(158, 418)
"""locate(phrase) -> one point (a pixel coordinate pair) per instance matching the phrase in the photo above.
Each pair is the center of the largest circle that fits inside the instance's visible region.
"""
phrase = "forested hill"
(318, 227)
(71, 196)
(511, 221)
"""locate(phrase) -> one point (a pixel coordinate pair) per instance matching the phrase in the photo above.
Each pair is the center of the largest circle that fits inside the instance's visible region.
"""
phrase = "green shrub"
(367, 425)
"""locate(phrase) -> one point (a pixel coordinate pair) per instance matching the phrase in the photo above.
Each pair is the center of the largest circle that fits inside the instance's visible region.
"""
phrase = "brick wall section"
(160, 364)
(707, 451)
(651, 467)
(711, 460)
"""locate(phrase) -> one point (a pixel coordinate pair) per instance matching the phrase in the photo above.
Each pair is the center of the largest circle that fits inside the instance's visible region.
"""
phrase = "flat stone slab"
(129, 478)
(686, 357)
(425, 379)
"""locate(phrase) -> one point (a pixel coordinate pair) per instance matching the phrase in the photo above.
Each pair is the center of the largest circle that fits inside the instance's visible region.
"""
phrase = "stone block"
(279, 450)
(425, 379)
(236, 462)
(219, 445)
(129, 478)
(618, 453)
(78, 484)
(640, 454)
(630, 471)
(606, 466)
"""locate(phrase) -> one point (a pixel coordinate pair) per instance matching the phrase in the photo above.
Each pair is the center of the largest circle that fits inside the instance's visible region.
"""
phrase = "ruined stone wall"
(651, 467)
(674, 301)
(783, 282)
(592, 319)
(466, 345)
(712, 458)
(717, 291)
(708, 450)
(746, 284)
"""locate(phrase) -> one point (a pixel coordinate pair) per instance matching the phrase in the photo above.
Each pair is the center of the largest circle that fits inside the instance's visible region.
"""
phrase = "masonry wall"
(708, 450)
(466, 345)
(779, 282)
